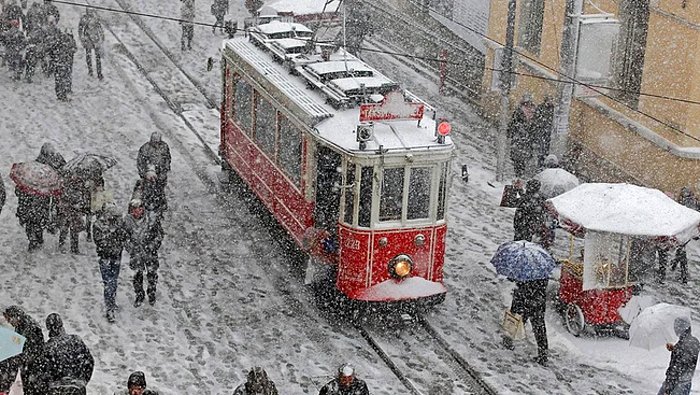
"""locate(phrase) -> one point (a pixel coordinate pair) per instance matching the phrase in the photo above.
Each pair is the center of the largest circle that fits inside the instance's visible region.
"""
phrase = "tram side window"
(265, 124)
(419, 193)
(392, 195)
(365, 214)
(442, 191)
(290, 149)
(349, 193)
(243, 106)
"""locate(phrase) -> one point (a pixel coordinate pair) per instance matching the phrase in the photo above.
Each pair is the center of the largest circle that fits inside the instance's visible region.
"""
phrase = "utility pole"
(506, 84)
(569, 49)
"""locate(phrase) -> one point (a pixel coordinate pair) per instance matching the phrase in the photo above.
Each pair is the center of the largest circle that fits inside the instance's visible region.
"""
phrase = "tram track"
(293, 298)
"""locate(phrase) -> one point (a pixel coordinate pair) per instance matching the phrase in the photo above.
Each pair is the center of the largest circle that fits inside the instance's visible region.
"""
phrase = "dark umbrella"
(88, 163)
(36, 178)
(523, 261)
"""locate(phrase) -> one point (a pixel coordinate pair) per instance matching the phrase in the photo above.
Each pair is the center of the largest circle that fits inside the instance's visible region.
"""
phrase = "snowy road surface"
(226, 299)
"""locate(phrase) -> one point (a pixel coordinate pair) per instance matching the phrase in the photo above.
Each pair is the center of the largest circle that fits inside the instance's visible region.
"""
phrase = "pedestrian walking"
(219, 8)
(257, 383)
(31, 362)
(92, 36)
(110, 237)
(3, 194)
(187, 13)
(35, 52)
(529, 300)
(151, 192)
(529, 219)
(684, 360)
(687, 198)
(50, 156)
(36, 17)
(136, 385)
(345, 383)
(544, 122)
(15, 44)
(73, 206)
(154, 156)
(521, 130)
(63, 69)
(145, 237)
(69, 363)
(51, 47)
(33, 215)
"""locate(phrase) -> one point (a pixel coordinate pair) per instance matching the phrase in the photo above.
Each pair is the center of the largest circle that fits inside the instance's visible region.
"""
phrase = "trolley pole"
(506, 83)
(443, 70)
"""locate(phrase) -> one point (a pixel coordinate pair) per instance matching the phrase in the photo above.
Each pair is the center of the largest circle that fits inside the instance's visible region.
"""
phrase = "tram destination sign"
(393, 108)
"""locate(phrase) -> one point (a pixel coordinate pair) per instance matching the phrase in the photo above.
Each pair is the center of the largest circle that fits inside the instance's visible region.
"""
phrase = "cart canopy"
(625, 209)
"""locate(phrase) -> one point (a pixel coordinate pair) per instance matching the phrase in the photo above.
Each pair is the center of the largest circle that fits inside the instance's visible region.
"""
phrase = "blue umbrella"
(11, 343)
(523, 261)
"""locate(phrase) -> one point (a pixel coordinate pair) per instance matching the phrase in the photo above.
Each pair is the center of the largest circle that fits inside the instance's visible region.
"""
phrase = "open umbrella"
(523, 261)
(36, 178)
(555, 182)
(90, 163)
(653, 327)
(11, 343)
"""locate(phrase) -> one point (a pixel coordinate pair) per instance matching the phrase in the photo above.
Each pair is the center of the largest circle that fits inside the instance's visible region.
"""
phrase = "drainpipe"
(506, 83)
(567, 67)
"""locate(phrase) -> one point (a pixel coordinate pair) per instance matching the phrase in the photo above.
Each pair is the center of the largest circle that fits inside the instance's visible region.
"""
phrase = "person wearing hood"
(684, 360)
(257, 383)
(145, 237)
(529, 219)
(346, 383)
(136, 385)
(156, 153)
(50, 156)
(31, 361)
(69, 363)
(110, 237)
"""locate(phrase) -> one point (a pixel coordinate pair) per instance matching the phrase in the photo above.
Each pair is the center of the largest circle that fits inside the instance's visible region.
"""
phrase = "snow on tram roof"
(288, 43)
(281, 27)
(335, 66)
(338, 126)
(350, 83)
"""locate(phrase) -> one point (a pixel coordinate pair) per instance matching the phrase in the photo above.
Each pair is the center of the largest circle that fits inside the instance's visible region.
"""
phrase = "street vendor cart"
(617, 222)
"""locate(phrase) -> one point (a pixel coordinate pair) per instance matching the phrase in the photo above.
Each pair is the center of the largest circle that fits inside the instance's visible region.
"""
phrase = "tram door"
(328, 178)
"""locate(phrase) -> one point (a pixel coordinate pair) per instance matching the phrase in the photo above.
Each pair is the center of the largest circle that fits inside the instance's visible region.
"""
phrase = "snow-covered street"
(228, 298)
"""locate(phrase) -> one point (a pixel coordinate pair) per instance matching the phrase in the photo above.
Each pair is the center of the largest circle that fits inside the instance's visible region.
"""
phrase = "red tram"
(349, 164)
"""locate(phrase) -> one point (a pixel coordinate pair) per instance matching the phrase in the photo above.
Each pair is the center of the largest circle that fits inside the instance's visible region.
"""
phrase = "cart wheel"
(575, 323)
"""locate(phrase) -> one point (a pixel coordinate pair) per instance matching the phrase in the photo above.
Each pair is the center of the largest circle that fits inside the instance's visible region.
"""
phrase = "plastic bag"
(513, 325)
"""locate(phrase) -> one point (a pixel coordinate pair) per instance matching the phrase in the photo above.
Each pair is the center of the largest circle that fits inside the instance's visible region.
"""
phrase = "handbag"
(513, 325)
(509, 197)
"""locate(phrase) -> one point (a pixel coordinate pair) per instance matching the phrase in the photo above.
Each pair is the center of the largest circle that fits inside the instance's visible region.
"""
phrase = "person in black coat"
(145, 237)
(257, 383)
(63, 69)
(684, 360)
(544, 121)
(345, 383)
(69, 363)
(51, 157)
(521, 130)
(136, 385)
(15, 42)
(529, 300)
(529, 219)
(156, 153)
(31, 362)
(110, 237)
(3, 194)
(73, 205)
(33, 215)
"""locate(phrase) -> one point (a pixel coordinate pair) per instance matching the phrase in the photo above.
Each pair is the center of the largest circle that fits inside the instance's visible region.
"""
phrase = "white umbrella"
(555, 182)
(653, 327)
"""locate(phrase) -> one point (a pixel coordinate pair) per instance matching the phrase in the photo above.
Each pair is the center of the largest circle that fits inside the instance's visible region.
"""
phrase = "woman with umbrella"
(529, 266)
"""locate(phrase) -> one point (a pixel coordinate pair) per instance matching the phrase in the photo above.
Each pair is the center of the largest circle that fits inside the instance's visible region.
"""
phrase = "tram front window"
(419, 193)
(392, 195)
(365, 214)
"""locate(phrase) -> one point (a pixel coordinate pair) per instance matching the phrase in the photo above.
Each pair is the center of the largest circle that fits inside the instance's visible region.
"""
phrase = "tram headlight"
(401, 266)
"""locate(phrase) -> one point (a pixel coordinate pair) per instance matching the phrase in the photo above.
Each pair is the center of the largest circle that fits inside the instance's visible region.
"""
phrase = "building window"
(290, 143)
(243, 105)
(419, 193)
(530, 27)
(265, 125)
(629, 57)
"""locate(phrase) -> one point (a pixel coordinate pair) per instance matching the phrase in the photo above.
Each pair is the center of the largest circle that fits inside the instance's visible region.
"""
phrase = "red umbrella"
(36, 178)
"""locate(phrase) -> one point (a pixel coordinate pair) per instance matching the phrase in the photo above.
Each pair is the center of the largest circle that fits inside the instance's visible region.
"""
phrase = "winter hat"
(138, 378)
(151, 172)
(346, 370)
(134, 203)
(681, 325)
(156, 137)
(551, 161)
(14, 23)
(533, 186)
(527, 98)
(54, 324)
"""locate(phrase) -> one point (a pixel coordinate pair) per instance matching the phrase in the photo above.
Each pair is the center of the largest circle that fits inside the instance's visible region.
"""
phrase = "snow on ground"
(224, 299)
